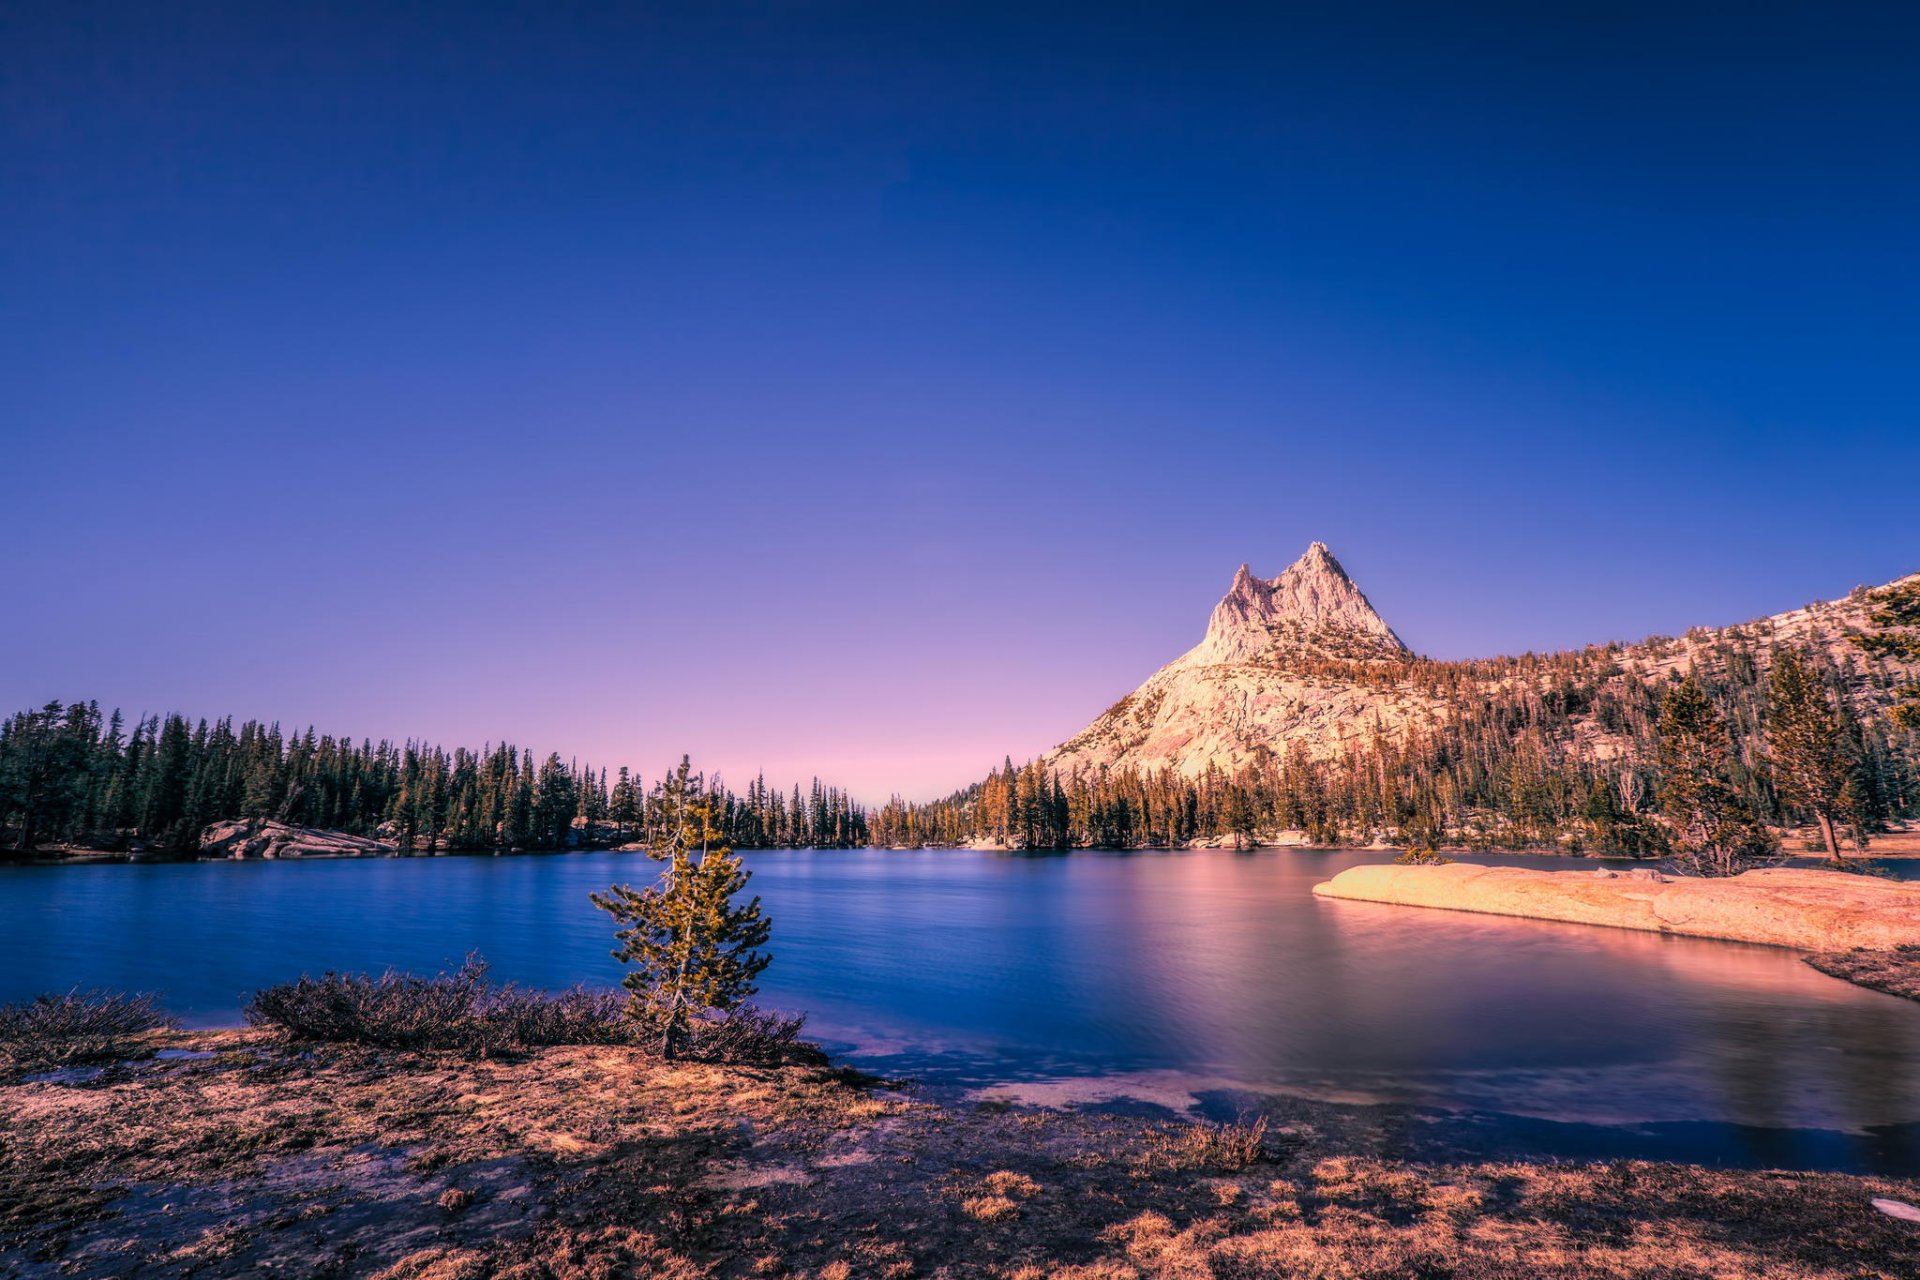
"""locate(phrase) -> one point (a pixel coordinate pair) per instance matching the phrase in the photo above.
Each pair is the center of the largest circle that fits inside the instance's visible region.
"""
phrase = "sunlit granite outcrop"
(1810, 910)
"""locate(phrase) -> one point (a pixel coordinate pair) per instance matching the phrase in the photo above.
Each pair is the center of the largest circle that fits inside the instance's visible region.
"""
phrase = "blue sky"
(876, 390)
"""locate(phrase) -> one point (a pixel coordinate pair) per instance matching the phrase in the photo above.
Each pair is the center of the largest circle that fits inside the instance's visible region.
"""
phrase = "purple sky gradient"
(829, 389)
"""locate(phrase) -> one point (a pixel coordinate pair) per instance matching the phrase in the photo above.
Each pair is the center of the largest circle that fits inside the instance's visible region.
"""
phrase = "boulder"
(279, 840)
(1781, 907)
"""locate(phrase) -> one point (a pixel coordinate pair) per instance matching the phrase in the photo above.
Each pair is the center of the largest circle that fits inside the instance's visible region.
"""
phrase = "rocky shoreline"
(1860, 929)
(1783, 907)
(235, 1154)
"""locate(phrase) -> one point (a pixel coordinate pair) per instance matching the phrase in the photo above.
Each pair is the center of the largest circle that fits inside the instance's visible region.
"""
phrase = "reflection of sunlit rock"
(1811, 910)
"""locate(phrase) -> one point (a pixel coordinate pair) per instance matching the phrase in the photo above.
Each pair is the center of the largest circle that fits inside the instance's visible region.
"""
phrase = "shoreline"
(237, 1154)
(1898, 846)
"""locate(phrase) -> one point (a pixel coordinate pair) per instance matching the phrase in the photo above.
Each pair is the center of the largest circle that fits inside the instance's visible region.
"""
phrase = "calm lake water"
(1208, 979)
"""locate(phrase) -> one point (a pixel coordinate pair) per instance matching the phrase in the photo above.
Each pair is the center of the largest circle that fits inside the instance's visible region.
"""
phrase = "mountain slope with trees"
(1301, 711)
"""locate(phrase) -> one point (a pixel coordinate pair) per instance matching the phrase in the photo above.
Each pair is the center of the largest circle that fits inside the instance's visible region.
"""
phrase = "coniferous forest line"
(1558, 749)
(71, 776)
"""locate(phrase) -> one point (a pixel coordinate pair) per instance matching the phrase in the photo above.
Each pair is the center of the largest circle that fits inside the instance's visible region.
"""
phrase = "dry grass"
(990, 1208)
(1006, 1182)
(1896, 971)
(597, 1161)
(1191, 1148)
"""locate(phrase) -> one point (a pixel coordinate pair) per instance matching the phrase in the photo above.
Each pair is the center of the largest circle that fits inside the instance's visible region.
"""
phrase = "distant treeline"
(1538, 749)
(69, 775)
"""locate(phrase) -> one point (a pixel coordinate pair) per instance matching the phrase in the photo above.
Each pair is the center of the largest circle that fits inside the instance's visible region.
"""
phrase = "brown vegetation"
(463, 1012)
(460, 1011)
(75, 1028)
(1895, 970)
(599, 1161)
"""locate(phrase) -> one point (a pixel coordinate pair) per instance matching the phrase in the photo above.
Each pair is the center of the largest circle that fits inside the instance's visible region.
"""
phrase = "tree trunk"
(676, 1012)
(1827, 834)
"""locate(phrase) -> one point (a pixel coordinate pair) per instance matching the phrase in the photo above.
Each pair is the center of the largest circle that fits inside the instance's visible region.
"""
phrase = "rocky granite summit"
(1311, 608)
(1299, 660)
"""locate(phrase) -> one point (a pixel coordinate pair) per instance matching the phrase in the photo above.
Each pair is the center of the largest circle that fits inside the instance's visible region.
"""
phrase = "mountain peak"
(1312, 607)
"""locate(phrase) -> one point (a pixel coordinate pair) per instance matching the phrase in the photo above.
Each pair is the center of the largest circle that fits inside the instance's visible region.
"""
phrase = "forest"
(70, 776)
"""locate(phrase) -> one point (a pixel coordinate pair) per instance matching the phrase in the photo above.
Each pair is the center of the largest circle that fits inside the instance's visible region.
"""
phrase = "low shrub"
(78, 1027)
(459, 1011)
(463, 1012)
(1423, 857)
(752, 1036)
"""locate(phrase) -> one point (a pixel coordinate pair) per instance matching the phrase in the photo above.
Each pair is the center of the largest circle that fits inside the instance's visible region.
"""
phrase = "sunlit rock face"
(1303, 664)
(1314, 607)
(1301, 661)
(1782, 907)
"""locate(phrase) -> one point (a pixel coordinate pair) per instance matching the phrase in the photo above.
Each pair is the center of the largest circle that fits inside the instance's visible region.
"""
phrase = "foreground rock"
(1809, 910)
(252, 1159)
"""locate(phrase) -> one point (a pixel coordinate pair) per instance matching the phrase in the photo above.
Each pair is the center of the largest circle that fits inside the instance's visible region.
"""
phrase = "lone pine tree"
(1814, 749)
(688, 948)
(1713, 831)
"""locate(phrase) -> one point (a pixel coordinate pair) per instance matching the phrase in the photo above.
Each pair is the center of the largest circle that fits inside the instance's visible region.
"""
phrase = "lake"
(1209, 979)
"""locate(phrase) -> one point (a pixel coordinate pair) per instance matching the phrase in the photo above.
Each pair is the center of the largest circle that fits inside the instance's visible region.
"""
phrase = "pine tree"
(554, 804)
(1816, 762)
(28, 775)
(170, 770)
(516, 826)
(1897, 616)
(625, 806)
(687, 947)
(1713, 832)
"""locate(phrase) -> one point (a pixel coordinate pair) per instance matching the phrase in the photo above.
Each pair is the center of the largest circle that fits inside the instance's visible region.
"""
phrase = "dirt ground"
(232, 1155)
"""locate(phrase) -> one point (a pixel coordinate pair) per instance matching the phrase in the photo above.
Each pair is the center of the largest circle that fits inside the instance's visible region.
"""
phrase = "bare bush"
(578, 1015)
(459, 1011)
(752, 1036)
(80, 1026)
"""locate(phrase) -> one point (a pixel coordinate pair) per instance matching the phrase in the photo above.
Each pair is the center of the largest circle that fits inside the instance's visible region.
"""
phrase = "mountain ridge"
(1303, 663)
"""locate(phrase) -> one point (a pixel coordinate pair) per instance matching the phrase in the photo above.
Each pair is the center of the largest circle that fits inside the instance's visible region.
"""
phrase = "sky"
(875, 390)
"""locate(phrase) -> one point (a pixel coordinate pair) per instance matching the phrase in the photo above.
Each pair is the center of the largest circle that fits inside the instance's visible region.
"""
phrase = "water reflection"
(1166, 976)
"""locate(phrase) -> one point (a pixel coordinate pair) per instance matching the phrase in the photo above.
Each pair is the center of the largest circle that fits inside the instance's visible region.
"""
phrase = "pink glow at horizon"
(905, 706)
